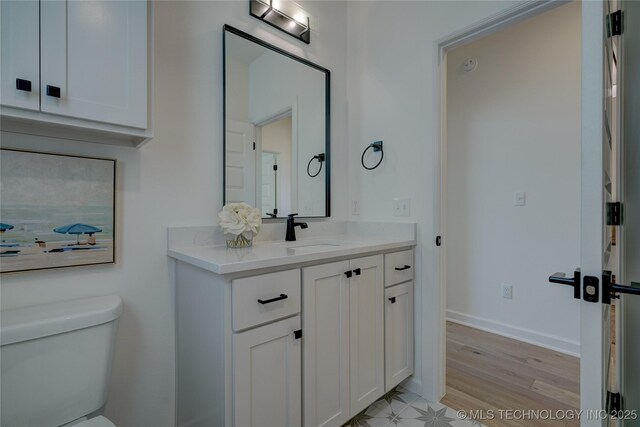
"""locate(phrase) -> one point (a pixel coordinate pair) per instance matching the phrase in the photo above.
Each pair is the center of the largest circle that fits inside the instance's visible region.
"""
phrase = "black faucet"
(291, 227)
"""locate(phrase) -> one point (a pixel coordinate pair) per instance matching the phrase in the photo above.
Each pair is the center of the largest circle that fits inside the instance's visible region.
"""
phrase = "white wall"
(393, 95)
(174, 180)
(513, 124)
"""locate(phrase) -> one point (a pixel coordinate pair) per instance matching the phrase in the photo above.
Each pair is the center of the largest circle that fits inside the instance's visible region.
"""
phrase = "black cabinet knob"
(357, 271)
(393, 300)
(24, 85)
(53, 91)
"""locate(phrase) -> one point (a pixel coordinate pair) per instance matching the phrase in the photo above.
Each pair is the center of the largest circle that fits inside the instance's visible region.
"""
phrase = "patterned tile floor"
(402, 408)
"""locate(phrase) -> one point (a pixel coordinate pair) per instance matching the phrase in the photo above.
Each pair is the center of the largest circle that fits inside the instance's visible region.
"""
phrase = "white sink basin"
(313, 247)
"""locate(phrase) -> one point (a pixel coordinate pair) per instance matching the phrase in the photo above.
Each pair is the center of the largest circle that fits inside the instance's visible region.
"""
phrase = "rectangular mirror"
(276, 137)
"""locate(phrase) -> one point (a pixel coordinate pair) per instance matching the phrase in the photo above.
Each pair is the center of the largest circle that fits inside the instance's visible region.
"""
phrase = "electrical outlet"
(401, 207)
(519, 198)
(355, 207)
(507, 291)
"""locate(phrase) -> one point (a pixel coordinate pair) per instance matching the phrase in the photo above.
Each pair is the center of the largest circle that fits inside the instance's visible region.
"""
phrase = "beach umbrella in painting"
(77, 229)
(4, 227)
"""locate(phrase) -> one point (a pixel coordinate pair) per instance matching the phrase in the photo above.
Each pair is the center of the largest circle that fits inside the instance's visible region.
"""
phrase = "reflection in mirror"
(276, 122)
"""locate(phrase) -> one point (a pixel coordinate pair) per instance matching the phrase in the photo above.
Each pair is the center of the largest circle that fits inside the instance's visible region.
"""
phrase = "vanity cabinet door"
(366, 320)
(268, 376)
(325, 308)
(398, 311)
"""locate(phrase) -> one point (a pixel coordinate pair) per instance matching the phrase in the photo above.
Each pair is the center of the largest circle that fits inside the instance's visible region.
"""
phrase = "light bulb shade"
(280, 14)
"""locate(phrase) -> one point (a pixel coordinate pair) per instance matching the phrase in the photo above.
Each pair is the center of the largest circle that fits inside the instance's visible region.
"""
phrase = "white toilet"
(56, 363)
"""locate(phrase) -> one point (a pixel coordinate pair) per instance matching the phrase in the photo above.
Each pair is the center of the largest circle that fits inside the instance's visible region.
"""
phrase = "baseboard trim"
(550, 342)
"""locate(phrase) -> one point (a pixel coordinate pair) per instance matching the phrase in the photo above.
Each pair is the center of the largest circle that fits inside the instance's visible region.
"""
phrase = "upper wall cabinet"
(77, 69)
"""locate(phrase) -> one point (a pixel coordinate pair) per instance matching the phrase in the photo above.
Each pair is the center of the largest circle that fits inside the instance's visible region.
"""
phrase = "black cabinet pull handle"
(393, 300)
(267, 301)
(357, 271)
(53, 91)
(297, 334)
(348, 274)
(406, 267)
(24, 85)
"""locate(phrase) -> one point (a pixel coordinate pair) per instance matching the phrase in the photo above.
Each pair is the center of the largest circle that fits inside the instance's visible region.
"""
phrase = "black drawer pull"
(357, 271)
(24, 85)
(267, 301)
(348, 274)
(406, 267)
(393, 300)
(53, 91)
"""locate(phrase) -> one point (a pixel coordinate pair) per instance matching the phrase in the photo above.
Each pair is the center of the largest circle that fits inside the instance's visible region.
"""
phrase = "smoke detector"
(469, 64)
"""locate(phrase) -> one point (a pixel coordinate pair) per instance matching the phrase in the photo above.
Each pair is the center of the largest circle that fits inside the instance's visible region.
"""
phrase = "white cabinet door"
(267, 376)
(366, 311)
(325, 308)
(398, 311)
(95, 54)
(20, 57)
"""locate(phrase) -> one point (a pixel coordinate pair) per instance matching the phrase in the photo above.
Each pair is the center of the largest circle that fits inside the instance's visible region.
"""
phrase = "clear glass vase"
(243, 240)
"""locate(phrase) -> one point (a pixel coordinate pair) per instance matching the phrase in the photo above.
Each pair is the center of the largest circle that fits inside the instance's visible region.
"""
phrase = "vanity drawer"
(264, 298)
(398, 267)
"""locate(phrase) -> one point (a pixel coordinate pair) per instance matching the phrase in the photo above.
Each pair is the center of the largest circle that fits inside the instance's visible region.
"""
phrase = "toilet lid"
(96, 422)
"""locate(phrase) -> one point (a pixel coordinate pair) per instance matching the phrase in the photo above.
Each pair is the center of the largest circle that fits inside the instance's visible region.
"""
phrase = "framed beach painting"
(55, 210)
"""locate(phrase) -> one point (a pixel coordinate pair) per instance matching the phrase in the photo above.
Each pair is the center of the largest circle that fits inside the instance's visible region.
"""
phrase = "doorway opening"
(511, 185)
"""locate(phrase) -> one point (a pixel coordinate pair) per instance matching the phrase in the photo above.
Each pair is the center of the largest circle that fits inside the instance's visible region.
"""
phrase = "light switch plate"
(401, 207)
(519, 198)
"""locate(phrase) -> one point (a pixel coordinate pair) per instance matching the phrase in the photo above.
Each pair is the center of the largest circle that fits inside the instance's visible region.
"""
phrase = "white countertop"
(204, 247)
(222, 260)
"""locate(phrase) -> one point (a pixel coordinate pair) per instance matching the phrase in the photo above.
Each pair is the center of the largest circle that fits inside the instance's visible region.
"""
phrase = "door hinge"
(254, 145)
(614, 403)
(614, 213)
(614, 23)
(275, 167)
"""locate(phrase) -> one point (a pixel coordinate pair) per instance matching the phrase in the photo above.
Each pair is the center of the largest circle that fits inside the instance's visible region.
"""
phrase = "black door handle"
(574, 281)
(393, 300)
(348, 274)
(357, 271)
(611, 290)
(24, 85)
(53, 91)
(280, 298)
(406, 267)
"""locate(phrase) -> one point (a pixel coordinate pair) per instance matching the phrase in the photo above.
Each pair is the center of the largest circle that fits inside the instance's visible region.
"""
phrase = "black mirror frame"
(227, 28)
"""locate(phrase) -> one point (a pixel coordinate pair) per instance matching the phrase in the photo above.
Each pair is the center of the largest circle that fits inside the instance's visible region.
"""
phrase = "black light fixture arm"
(376, 146)
(320, 157)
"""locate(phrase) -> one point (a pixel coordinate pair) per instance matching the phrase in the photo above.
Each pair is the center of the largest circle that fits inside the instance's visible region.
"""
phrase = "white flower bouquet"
(240, 222)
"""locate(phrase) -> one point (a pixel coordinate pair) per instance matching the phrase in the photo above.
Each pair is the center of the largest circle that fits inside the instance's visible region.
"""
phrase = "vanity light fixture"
(285, 15)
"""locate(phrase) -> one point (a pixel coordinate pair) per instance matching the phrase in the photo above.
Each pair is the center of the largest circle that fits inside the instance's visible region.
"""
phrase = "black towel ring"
(320, 158)
(377, 146)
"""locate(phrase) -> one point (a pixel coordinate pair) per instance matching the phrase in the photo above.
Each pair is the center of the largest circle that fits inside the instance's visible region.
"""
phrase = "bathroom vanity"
(292, 333)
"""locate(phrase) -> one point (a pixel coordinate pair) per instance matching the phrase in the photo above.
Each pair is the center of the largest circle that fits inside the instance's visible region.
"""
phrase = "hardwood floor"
(492, 373)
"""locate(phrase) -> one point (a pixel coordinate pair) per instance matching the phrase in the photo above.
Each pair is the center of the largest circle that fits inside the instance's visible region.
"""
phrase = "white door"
(268, 376)
(398, 334)
(94, 53)
(325, 308)
(240, 160)
(20, 54)
(366, 326)
(594, 317)
(269, 183)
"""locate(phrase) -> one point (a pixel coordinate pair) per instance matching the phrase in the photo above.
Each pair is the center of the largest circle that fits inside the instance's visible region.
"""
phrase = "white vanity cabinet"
(76, 69)
(398, 317)
(344, 339)
(302, 344)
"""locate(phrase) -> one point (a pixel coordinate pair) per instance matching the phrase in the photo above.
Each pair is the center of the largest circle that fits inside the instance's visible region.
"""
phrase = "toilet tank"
(55, 360)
